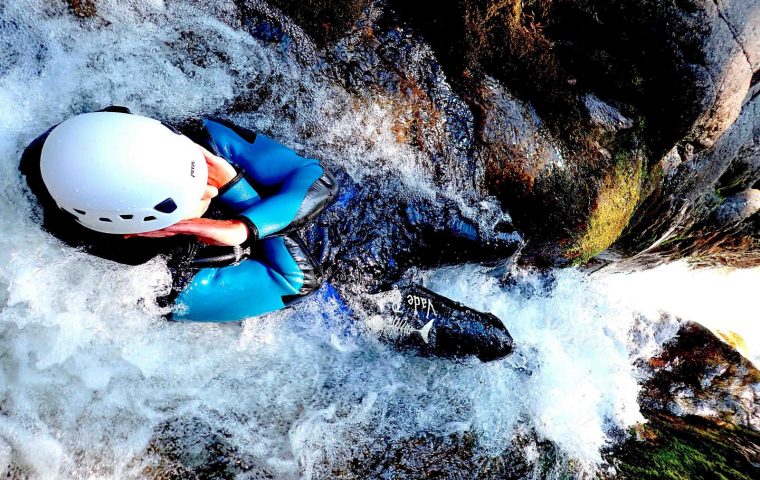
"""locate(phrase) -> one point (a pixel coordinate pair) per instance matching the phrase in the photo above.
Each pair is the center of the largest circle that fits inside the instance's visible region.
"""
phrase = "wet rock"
(529, 170)
(324, 20)
(604, 114)
(505, 40)
(514, 125)
(698, 374)
(739, 207)
(385, 58)
(190, 448)
(570, 209)
(83, 8)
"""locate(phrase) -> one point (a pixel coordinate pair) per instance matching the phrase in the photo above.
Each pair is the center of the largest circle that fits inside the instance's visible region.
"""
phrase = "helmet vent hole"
(126, 217)
(104, 219)
(81, 212)
(166, 206)
(149, 218)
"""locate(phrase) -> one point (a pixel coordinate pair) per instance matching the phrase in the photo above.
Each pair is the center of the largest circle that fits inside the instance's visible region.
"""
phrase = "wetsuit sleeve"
(273, 214)
(293, 183)
(238, 195)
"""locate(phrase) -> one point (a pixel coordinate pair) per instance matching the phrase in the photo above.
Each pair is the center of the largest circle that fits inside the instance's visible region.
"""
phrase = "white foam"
(722, 299)
(574, 341)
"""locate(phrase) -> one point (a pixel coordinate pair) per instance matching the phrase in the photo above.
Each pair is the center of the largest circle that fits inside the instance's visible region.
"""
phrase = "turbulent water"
(92, 379)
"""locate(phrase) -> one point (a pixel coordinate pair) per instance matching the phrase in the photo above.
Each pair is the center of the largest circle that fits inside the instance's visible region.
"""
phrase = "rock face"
(702, 405)
(697, 374)
(619, 85)
(190, 448)
(705, 229)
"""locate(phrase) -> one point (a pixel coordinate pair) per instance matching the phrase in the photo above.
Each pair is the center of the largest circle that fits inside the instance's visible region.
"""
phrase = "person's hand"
(227, 233)
(220, 172)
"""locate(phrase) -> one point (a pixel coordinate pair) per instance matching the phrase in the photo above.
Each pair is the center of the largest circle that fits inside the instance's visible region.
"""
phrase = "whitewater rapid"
(90, 374)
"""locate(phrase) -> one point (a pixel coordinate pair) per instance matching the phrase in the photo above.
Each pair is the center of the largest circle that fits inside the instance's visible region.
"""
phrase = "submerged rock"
(451, 456)
(324, 20)
(83, 8)
(190, 448)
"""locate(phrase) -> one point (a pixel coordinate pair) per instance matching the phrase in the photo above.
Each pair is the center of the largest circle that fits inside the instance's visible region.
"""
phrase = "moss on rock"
(689, 448)
(614, 205)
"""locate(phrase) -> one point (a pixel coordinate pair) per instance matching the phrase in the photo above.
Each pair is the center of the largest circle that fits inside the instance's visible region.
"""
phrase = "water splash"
(721, 299)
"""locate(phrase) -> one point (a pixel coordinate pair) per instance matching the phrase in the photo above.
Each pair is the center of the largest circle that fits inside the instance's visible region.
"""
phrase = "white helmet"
(122, 173)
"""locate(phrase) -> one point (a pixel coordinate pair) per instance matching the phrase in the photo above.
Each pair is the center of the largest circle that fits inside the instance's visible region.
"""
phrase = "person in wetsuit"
(220, 202)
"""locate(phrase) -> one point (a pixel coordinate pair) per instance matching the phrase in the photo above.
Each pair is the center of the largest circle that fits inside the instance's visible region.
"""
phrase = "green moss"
(687, 449)
(673, 240)
(615, 203)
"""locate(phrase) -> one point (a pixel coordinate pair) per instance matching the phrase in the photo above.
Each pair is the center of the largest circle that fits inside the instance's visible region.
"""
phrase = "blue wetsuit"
(278, 271)
(275, 192)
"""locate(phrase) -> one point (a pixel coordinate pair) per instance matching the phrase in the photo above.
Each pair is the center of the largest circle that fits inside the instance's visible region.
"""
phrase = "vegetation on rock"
(615, 203)
(673, 448)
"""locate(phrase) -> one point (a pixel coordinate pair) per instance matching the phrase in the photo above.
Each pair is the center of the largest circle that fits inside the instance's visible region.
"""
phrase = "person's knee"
(312, 273)
(321, 194)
